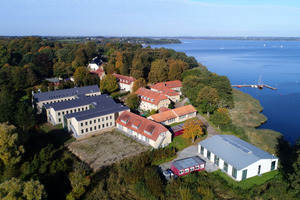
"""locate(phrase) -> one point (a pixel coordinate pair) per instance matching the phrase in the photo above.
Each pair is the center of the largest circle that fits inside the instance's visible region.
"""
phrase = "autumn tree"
(192, 129)
(141, 82)
(221, 117)
(10, 149)
(109, 84)
(208, 99)
(159, 71)
(176, 67)
(132, 101)
(119, 61)
(80, 74)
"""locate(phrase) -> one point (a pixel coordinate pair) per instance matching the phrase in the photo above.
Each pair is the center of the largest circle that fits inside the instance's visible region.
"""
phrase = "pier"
(261, 86)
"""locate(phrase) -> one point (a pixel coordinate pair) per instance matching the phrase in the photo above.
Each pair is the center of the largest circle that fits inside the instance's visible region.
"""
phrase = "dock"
(255, 86)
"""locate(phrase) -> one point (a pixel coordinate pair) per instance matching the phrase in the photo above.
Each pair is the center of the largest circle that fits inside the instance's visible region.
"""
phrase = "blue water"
(278, 63)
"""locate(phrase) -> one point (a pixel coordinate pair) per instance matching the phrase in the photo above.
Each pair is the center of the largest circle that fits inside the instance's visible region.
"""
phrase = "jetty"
(259, 85)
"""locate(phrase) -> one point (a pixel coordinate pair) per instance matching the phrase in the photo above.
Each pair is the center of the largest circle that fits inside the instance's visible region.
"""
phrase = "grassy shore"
(247, 114)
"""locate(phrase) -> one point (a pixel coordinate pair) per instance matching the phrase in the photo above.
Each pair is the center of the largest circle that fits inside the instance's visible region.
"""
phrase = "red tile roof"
(161, 117)
(164, 89)
(145, 125)
(150, 96)
(163, 109)
(124, 79)
(98, 72)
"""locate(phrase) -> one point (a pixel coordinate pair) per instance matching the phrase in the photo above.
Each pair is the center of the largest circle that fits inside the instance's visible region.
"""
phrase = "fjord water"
(243, 61)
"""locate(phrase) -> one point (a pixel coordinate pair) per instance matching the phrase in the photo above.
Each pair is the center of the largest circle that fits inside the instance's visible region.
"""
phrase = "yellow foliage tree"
(192, 128)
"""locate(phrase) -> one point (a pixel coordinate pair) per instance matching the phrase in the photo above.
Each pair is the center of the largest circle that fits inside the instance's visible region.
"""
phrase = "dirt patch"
(105, 149)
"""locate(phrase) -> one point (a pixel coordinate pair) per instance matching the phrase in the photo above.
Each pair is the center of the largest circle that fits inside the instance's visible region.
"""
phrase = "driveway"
(210, 130)
(190, 152)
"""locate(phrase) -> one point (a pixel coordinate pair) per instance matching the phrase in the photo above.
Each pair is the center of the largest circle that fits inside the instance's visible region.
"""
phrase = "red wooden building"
(187, 165)
(177, 130)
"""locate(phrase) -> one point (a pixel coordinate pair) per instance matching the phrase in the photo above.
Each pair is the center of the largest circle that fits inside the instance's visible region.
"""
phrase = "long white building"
(239, 159)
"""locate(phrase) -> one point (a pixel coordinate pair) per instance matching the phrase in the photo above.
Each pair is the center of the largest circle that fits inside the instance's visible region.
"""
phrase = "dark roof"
(235, 151)
(53, 80)
(45, 96)
(187, 162)
(96, 61)
(102, 107)
(81, 100)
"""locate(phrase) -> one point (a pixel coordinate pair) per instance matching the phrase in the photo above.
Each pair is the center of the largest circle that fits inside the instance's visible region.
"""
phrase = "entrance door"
(273, 165)
(244, 176)
(259, 170)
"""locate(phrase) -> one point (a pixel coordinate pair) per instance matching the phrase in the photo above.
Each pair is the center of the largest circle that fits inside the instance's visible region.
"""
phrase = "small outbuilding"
(187, 165)
(177, 130)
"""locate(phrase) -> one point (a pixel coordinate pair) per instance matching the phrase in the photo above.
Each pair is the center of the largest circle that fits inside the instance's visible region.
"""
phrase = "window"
(99, 126)
(258, 171)
(197, 167)
(90, 121)
(81, 130)
(59, 120)
(244, 174)
(225, 167)
(99, 120)
(95, 127)
(202, 150)
(85, 123)
(273, 165)
(94, 121)
(182, 117)
(103, 119)
(216, 161)
(106, 124)
(63, 112)
(110, 117)
(91, 128)
(186, 170)
(106, 118)
(81, 124)
(208, 155)
(201, 166)
(74, 110)
(192, 169)
(180, 172)
(234, 172)
(71, 111)
(86, 130)
(102, 125)
(58, 113)
(111, 123)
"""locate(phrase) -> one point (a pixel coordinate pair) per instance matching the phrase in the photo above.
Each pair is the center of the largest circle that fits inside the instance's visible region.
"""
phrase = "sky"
(150, 18)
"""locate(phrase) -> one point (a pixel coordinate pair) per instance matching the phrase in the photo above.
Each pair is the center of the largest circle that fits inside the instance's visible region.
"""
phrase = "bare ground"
(105, 149)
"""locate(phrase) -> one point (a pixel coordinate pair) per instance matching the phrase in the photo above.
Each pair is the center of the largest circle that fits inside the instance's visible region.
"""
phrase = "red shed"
(177, 130)
(187, 165)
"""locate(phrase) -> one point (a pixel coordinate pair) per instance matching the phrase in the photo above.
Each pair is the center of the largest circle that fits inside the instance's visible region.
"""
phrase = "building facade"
(145, 130)
(175, 115)
(187, 165)
(239, 159)
(150, 100)
(172, 89)
(41, 99)
(125, 82)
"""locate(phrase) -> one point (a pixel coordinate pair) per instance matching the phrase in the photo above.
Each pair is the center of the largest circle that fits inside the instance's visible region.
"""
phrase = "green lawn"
(180, 143)
(250, 182)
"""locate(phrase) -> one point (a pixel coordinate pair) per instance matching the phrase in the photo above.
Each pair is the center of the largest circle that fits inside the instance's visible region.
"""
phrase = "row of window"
(58, 101)
(95, 128)
(95, 120)
(71, 111)
(191, 169)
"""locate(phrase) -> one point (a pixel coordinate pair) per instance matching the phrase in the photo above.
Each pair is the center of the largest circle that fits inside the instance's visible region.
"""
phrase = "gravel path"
(210, 130)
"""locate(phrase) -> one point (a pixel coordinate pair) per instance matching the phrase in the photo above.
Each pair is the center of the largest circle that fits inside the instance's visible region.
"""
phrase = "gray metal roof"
(45, 96)
(187, 162)
(235, 151)
(81, 100)
(104, 107)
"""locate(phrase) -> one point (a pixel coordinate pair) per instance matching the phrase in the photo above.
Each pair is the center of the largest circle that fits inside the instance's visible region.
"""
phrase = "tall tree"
(132, 101)
(208, 99)
(4, 55)
(176, 69)
(80, 74)
(193, 128)
(221, 117)
(159, 71)
(109, 84)
(19, 78)
(141, 82)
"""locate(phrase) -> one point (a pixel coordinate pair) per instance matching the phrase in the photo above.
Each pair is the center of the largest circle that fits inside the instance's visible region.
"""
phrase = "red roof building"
(99, 72)
(150, 99)
(144, 129)
(125, 82)
(171, 89)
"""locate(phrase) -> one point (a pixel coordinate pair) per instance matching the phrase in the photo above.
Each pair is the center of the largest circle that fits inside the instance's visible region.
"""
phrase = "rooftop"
(170, 114)
(150, 96)
(164, 89)
(124, 79)
(146, 127)
(187, 162)
(96, 61)
(235, 151)
(57, 94)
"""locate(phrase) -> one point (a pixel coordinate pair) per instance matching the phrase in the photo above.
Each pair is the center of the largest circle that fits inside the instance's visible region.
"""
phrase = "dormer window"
(125, 118)
(149, 129)
(136, 124)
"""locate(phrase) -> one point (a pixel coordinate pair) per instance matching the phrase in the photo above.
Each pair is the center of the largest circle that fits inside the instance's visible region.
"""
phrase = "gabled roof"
(124, 79)
(150, 96)
(105, 105)
(98, 72)
(57, 94)
(164, 89)
(163, 109)
(145, 126)
(235, 151)
(96, 61)
(170, 114)
(169, 84)
(187, 162)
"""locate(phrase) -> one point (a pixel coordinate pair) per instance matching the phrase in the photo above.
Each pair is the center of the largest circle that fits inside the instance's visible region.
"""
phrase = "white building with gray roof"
(239, 159)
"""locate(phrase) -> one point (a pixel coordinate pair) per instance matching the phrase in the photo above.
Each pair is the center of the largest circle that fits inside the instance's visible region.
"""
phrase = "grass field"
(250, 182)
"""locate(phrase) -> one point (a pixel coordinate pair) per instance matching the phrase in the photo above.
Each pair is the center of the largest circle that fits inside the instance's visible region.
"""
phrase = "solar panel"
(236, 145)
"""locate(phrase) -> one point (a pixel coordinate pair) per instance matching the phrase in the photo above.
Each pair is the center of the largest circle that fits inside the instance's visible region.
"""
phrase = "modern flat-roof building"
(239, 159)
(40, 99)
(144, 129)
(96, 113)
(175, 115)
(125, 82)
(150, 100)
(187, 165)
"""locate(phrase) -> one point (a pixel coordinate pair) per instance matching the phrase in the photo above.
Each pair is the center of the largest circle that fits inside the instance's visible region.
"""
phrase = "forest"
(34, 160)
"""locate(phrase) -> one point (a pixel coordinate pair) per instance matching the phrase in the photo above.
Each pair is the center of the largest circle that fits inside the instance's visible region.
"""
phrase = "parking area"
(189, 152)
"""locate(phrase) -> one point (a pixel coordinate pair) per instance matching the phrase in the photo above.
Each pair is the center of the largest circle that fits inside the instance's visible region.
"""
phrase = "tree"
(109, 84)
(193, 128)
(10, 149)
(132, 101)
(19, 78)
(17, 189)
(294, 177)
(141, 82)
(4, 55)
(25, 117)
(208, 99)
(221, 117)
(44, 65)
(80, 74)
(7, 105)
(159, 71)
(176, 68)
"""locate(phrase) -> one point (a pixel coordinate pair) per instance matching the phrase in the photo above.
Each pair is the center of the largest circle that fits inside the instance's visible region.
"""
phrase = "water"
(278, 63)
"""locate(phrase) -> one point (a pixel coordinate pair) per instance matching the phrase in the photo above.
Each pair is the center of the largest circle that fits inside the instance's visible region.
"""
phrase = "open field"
(105, 149)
